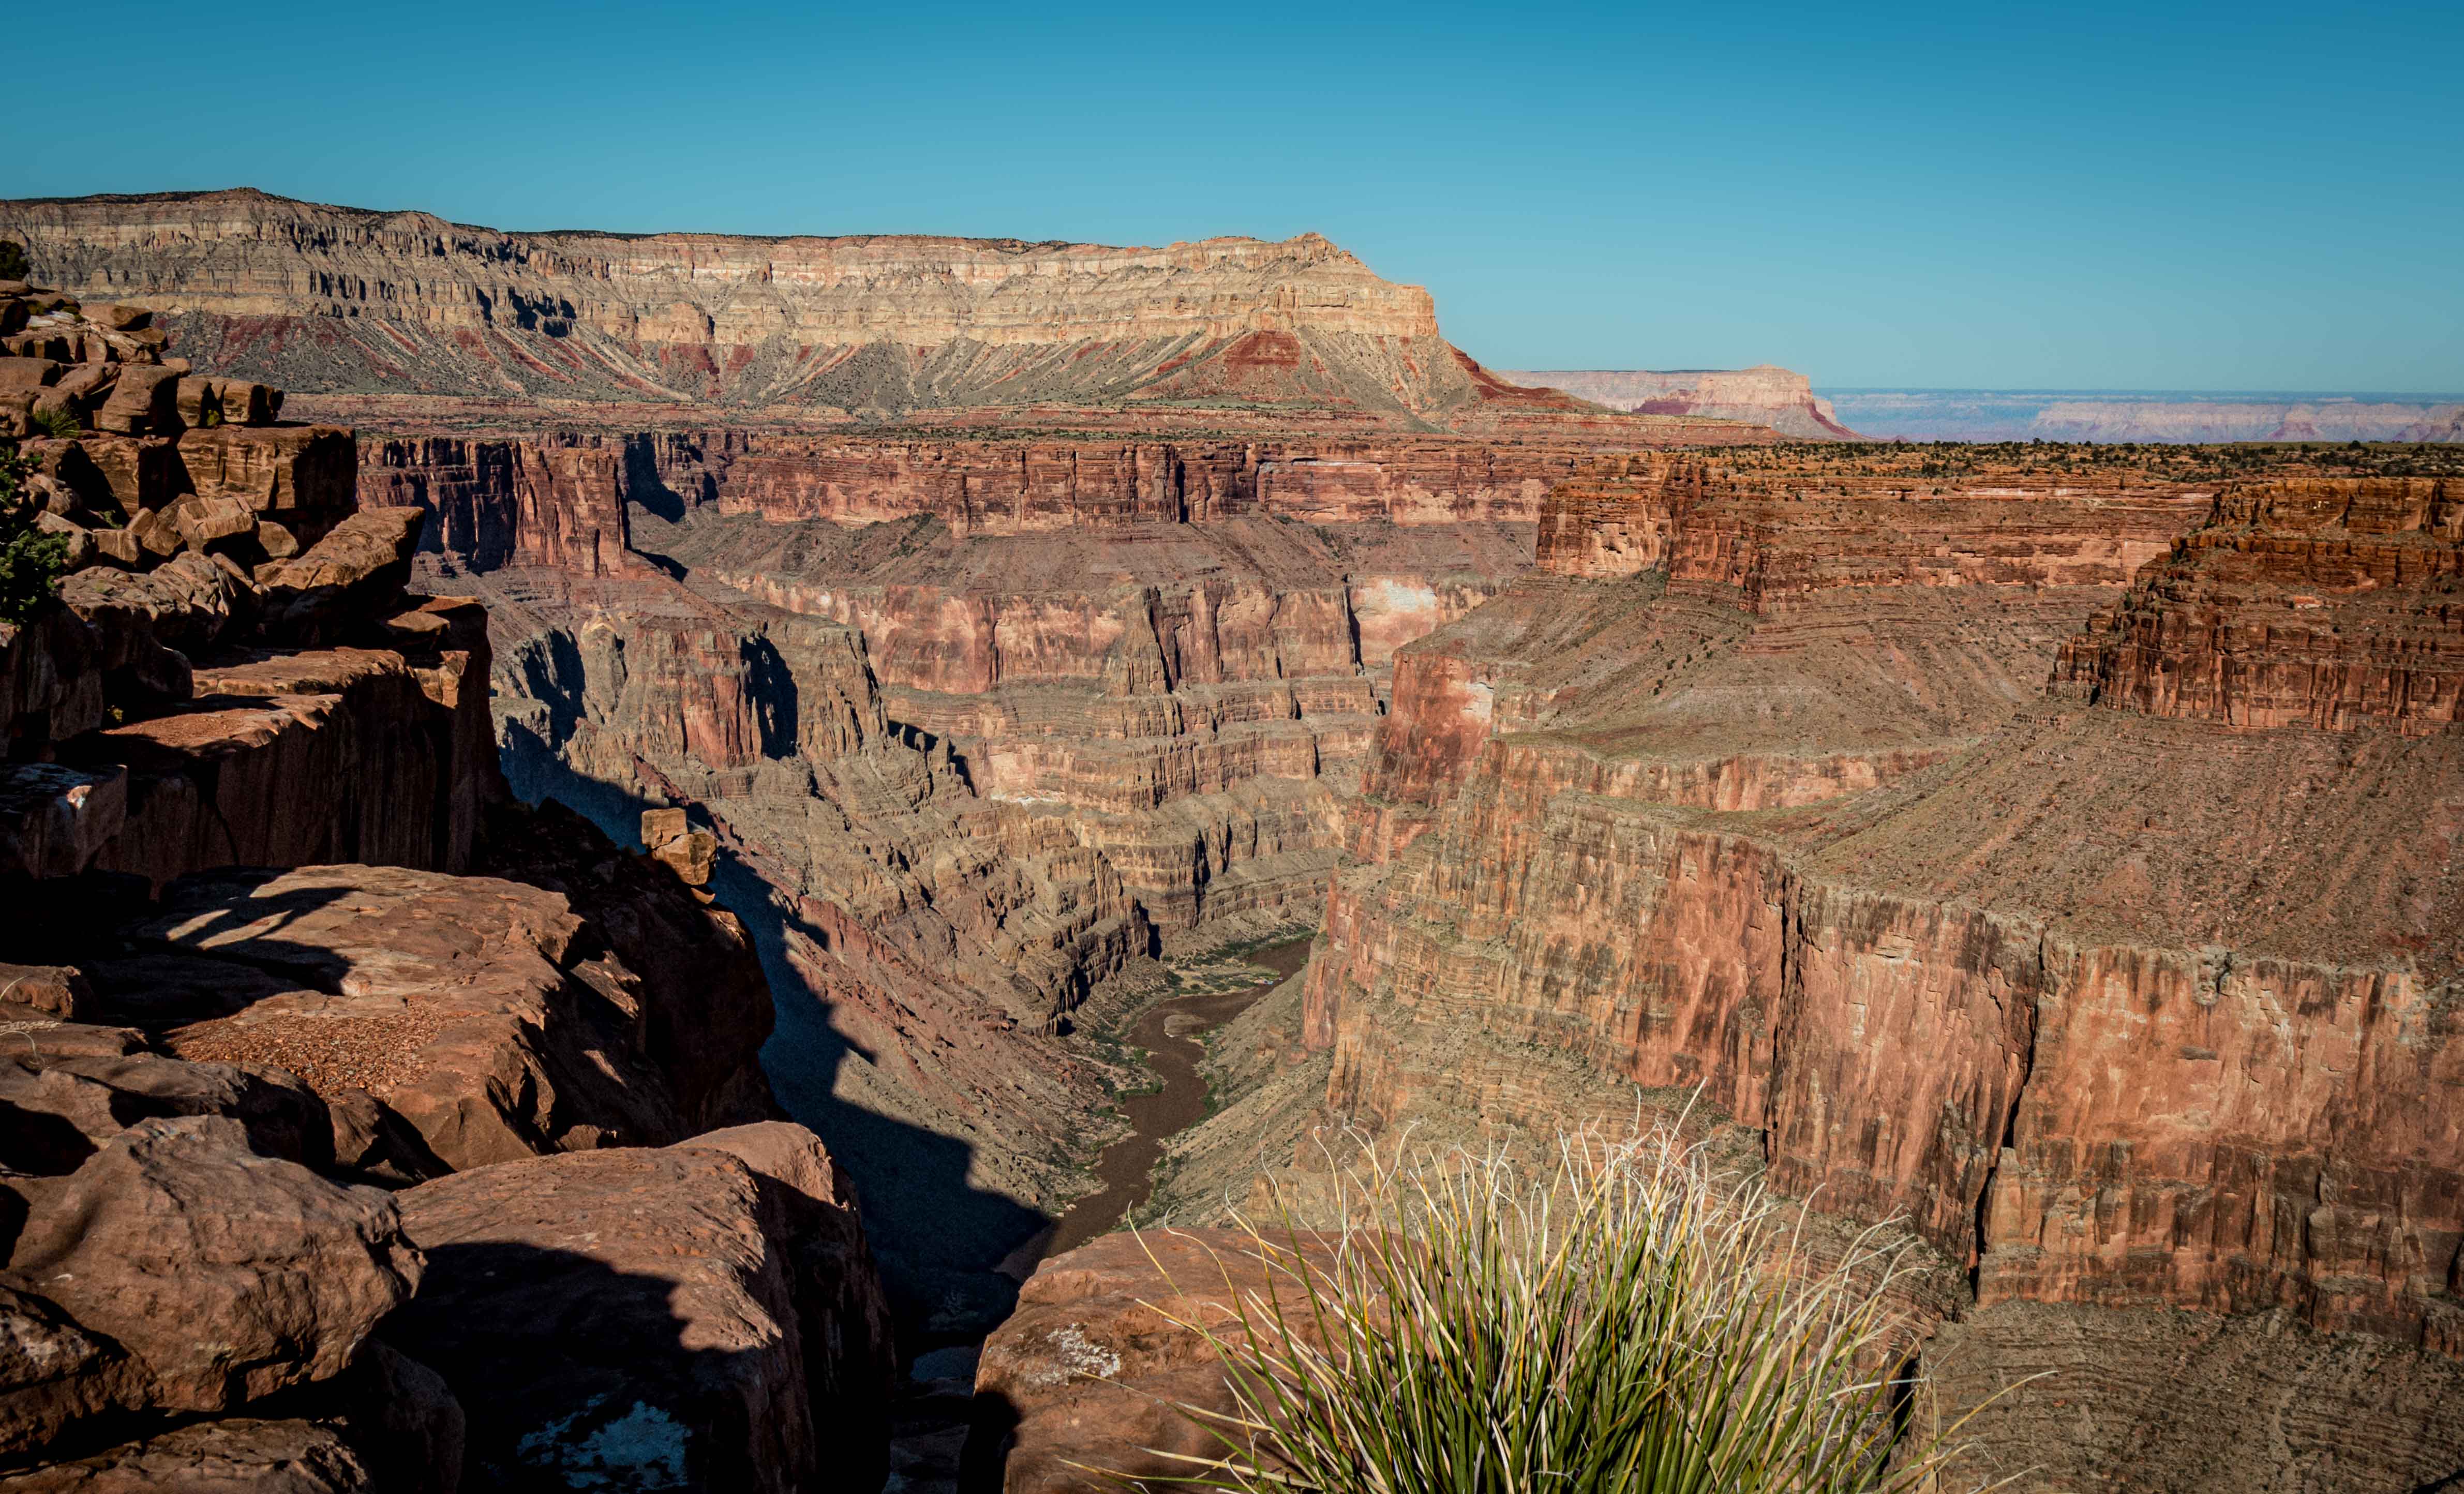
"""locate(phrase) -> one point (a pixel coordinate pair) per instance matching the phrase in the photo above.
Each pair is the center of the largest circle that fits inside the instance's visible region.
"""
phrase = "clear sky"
(2244, 197)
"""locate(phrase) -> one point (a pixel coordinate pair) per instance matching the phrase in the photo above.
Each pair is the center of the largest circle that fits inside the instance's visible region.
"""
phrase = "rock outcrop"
(703, 1316)
(278, 933)
(1084, 1386)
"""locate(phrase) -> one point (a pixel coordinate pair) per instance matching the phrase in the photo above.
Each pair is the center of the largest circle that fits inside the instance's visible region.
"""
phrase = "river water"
(1157, 1116)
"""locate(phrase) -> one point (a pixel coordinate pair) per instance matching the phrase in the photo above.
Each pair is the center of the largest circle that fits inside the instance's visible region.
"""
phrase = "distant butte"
(1764, 395)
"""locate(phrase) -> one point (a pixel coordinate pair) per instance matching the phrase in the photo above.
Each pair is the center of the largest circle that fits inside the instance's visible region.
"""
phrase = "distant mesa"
(1764, 395)
(345, 301)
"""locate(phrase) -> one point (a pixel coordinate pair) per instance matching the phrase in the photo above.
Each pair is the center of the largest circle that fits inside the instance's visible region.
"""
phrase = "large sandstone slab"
(640, 1319)
(178, 1223)
(467, 1018)
(305, 477)
(299, 757)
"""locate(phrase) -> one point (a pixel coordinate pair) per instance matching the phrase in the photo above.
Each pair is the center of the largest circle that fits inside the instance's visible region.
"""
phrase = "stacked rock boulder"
(323, 1056)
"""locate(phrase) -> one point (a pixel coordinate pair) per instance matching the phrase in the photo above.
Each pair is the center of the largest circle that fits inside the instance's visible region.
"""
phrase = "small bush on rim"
(31, 560)
(1624, 1321)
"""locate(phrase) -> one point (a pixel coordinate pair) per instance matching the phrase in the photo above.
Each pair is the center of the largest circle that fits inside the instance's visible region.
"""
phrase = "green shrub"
(57, 422)
(31, 561)
(13, 260)
(1626, 1321)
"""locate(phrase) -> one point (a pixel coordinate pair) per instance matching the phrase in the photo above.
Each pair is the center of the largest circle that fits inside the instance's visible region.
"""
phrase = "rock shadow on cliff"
(940, 1238)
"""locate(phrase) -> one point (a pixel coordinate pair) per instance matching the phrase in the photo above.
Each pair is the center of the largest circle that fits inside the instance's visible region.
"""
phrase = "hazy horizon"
(1901, 197)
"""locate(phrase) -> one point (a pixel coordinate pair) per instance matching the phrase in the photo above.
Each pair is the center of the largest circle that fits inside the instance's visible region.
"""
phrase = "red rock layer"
(2320, 604)
(2112, 1006)
(497, 502)
(558, 499)
(1700, 520)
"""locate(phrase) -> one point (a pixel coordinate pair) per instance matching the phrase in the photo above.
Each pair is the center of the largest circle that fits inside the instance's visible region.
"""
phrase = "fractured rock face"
(628, 1317)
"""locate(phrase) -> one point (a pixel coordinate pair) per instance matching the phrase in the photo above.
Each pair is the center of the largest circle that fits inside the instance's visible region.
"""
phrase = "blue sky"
(2253, 196)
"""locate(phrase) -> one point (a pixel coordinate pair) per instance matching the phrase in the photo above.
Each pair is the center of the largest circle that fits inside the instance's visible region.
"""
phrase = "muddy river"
(1170, 1032)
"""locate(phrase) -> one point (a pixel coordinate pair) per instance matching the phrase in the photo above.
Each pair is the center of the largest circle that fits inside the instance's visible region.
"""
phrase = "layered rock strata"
(970, 721)
(338, 298)
(2126, 996)
(560, 498)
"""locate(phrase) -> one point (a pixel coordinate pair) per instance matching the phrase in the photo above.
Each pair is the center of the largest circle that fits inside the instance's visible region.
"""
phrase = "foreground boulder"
(446, 1022)
(70, 1104)
(639, 1319)
(237, 1455)
(387, 1427)
(1088, 1374)
(176, 1270)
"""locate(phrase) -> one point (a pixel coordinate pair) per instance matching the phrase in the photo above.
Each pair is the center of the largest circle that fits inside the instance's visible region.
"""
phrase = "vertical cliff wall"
(2129, 993)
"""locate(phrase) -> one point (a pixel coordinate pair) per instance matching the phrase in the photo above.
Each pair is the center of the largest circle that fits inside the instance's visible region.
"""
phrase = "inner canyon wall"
(2063, 869)
(980, 722)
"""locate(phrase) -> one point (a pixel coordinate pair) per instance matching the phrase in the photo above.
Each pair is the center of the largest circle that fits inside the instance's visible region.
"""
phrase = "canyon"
(2047, 853)
(2063, 869)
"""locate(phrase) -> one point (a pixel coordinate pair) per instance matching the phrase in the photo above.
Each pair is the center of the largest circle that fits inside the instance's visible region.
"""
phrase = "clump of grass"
(1623, 1320)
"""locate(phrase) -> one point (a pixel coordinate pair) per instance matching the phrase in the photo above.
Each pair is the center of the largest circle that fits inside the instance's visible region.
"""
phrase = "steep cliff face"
(1762, 395)
(1181, 674)
(2125, 997)
(500, 502)
(2135, 994)
(337, 298)
(2298, 603)
(559, 498)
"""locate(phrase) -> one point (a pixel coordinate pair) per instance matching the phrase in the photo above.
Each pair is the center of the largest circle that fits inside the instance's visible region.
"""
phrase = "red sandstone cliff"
(2132, 997)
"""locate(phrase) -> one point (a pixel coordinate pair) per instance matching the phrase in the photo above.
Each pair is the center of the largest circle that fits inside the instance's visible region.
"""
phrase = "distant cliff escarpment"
(1762, 395)
(341, 301)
